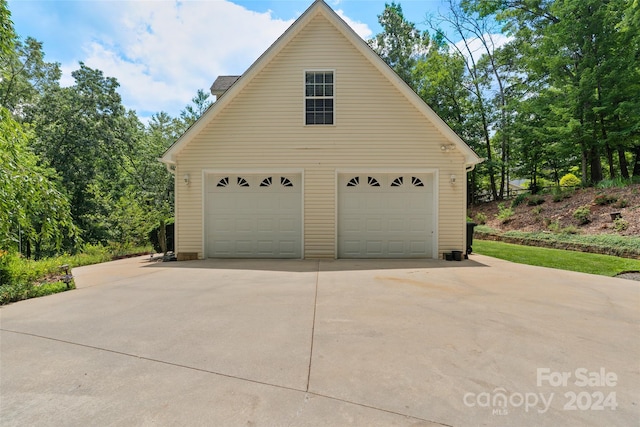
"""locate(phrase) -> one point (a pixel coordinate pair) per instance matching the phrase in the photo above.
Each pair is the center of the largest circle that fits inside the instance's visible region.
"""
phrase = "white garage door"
(385, 215)
(254, 216)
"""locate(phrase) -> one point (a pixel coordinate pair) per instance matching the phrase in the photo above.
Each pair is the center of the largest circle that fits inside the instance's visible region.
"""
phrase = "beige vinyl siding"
(263, 127)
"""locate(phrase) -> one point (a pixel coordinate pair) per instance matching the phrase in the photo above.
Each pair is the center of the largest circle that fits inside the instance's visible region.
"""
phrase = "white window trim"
(304, 97)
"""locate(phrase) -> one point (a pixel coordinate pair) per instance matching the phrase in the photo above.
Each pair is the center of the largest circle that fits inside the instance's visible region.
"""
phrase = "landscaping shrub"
(553, 225)
(22, 278)
(620, 224)
(570, 230)
(570, 180)
(622, 203)
(614, 183)
(604, 199)
(519, 199)
(481, 218)
(582, 215)
(504, 214)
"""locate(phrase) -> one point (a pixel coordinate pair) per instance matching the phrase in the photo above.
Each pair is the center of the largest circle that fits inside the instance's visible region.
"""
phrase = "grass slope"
(604, 265)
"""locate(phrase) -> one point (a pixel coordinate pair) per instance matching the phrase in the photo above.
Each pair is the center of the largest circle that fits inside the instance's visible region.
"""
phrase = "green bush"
(519, 199)
(504, 214)
(570, 180)
(570, 230)
(622, 203)
(481, 218)
(620, 224)
(20, 277)
(582, 215)
(604, 199)
(553, 226)
(614, 183)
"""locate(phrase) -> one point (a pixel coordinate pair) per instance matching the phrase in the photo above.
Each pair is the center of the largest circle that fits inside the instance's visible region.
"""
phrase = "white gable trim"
(320, 7)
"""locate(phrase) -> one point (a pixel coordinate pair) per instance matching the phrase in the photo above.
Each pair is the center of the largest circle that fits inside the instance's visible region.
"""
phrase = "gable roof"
(319, 7)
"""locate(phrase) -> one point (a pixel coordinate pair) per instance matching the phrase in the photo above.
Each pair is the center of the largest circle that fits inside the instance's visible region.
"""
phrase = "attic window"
(318, 97)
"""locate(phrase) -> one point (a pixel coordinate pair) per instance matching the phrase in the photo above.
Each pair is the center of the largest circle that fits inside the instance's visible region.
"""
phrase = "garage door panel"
(396, 225)
(419, 225)
(396, 247)
(419, 246)
(393, 219)
(265, 246)
(263, 219)
(287, 247)
(374, 247)
(373, 225)
(288, 225)
(244, 246)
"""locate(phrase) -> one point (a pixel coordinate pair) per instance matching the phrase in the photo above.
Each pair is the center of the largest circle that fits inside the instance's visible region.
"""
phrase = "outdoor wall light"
(448, 147)
(186, 179)
(453, 179)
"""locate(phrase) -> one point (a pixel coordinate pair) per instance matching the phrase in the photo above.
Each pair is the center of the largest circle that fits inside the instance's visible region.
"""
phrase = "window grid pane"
(319, 98)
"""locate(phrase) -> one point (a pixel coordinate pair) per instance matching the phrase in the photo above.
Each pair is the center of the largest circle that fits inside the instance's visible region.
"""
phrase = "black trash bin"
(470, 227)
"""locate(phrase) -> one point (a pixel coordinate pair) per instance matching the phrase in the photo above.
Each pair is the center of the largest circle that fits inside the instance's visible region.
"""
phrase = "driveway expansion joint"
(313, 325)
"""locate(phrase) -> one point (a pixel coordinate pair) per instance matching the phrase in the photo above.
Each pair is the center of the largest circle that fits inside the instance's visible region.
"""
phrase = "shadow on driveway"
(311, 265)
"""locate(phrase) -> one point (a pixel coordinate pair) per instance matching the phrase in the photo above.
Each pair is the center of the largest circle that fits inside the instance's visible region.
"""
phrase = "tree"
(589, 51)
(25, 76)
(83, 132)
(400, 43)
(7, 33)
(483, 72)
(192, 112)
(33, 207)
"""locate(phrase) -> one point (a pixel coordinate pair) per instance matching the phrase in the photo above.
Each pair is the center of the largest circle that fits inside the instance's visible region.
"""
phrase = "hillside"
(553, 213)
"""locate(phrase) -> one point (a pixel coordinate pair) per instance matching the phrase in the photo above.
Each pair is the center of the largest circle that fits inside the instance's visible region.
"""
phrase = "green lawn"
(604, 265)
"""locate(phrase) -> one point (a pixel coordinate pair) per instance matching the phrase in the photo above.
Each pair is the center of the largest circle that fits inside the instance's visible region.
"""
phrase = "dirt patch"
(559, 214)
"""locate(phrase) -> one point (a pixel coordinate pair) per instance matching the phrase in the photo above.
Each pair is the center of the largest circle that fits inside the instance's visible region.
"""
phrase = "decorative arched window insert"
(417, 182)
(353, 182)
(223, 182)
(373, 182)
(397, 182)
(286, 182)
(242, 182)
(266, 182)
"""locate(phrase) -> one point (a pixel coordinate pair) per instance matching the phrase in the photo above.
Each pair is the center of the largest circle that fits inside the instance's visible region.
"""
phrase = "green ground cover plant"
(610, 244)
(604, 265)
(22, 278)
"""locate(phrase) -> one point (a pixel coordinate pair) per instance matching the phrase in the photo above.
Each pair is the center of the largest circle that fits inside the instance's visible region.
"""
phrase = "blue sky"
(162, 52)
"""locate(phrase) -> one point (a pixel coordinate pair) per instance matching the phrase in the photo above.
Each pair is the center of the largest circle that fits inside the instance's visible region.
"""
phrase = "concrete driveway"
(324, 343)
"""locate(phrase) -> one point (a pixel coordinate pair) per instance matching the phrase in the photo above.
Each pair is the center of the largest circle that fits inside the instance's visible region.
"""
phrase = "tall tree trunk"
(624, 166)
(585, 177)
(612, 169)
(595, 166)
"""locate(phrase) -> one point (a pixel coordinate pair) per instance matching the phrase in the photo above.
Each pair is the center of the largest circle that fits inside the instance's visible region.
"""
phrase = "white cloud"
(477, 48)
(163, 52)
(360, 28)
